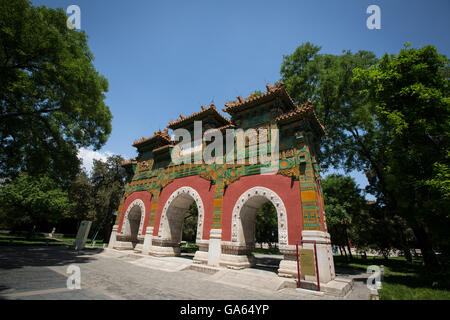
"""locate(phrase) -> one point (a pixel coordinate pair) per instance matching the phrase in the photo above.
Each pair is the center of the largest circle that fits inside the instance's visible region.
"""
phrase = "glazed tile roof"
(299, 112)
(279, 90)
(162, 148)
(128, 162)
(159, 136)
(210, 112)
(162, 139)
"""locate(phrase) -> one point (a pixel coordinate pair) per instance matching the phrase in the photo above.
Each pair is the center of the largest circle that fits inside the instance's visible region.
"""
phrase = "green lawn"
(39, 241)
(404, 281)
(188, 247)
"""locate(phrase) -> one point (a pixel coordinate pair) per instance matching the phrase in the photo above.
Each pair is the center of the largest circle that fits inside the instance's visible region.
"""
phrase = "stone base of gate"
(164, 248)
(147, 240)
(124, 242)
(113, 237)
(123, 245)
(237, 261)
(288, 266)
(235, 256)
(201, 255)
(324, 254)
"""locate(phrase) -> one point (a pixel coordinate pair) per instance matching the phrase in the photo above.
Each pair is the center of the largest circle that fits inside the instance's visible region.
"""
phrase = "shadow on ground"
(13, 257)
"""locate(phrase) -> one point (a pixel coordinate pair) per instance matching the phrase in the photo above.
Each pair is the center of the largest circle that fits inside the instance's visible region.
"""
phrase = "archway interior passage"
(134, 219)
(259, 221)
(182, 213)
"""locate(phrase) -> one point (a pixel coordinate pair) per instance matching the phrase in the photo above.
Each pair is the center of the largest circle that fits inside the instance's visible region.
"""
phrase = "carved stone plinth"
(112, 238)
(147, 240)
(214, 247)
(164, 248)
(201, 255)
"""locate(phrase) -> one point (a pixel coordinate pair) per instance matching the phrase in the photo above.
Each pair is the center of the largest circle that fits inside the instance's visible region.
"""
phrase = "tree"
(108, 182)
(411, 94)
(190, 224)
(355, 137)
(353, 140)
(51, 96)
(29, 202)
(346, 113)
(82, 198)
(343, 205)
(266, 230)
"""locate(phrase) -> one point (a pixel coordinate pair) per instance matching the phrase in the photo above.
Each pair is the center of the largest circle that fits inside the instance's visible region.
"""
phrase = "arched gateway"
(229, 193)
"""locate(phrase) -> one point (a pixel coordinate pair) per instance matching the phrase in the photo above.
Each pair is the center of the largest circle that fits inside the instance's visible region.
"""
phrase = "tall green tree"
(32, 201)
(353, 140)
(190, 224)
(344, 204)
(51, 95)
(411, 95)
(82, 198)
(266, 229)
(108, 182)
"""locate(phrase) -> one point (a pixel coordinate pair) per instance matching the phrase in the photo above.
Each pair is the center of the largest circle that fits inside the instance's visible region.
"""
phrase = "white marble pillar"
(214, 248)
(325, 260)
(147, 240)
(112, 238)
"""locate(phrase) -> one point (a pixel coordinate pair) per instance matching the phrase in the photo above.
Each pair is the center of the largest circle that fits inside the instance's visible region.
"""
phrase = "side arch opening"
(131, 234)
(239, 252)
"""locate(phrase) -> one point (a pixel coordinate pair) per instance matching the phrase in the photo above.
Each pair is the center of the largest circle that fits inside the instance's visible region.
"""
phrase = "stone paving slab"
(104, 275)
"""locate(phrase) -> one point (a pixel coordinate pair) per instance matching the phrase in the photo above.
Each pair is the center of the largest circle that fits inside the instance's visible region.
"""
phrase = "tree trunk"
(345, 252)
(349, 251)
(385, 255)
(348, 244)
(429, 257)
(404, 244)
(364, 256)
(30, 233)
(407, 252)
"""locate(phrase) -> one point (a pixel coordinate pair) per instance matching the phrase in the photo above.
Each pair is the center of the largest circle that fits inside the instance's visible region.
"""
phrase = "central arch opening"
(258, 230)
(260, 233)
(188, 244)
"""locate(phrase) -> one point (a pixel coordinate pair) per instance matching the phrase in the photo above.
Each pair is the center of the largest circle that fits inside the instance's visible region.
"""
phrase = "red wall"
(203, 187)
(287, 189)
(146, 197)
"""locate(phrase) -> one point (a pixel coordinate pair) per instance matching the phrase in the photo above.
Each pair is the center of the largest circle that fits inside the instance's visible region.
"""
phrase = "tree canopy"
(29, 201)
(97, 196)
(343, 206)
(51, 95)
(410, 91)
(389, 118)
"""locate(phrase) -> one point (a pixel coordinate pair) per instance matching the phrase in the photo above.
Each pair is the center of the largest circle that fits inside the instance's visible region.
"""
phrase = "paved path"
(40, 273)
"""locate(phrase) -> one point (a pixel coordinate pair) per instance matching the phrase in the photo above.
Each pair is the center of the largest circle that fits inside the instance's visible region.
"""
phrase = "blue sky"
(166, 58)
